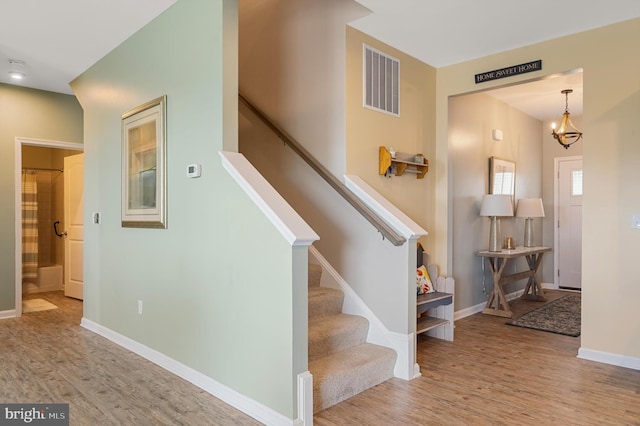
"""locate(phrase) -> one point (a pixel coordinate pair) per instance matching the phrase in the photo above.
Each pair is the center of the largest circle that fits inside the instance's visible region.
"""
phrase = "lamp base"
(528, 232)
(494, 235)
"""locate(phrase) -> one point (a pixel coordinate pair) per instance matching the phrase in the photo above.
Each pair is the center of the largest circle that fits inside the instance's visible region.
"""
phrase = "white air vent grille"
(381, 81)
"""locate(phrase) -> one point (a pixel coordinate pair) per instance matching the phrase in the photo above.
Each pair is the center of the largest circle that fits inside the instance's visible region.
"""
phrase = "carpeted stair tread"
(334, 333)
(314, 274)
(343, 374)
(324, 301)
(340, 360)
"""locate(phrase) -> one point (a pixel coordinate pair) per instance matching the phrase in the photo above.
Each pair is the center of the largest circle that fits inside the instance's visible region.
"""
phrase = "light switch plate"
(635, 221)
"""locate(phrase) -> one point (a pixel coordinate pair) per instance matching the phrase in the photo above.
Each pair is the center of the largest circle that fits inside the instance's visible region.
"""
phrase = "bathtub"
(49, 279)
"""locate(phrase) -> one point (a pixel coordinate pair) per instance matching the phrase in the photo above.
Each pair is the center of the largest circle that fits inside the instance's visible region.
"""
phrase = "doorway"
(18, 163)
(523, 113)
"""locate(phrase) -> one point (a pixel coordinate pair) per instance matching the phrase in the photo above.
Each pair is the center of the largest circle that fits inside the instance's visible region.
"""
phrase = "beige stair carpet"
(340, 360)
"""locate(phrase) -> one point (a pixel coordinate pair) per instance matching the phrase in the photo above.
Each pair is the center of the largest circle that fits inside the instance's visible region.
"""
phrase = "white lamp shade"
(496, 205)
(530, 207)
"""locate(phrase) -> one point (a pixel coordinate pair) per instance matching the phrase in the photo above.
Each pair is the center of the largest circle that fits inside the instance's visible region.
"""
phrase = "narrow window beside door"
(576, 182)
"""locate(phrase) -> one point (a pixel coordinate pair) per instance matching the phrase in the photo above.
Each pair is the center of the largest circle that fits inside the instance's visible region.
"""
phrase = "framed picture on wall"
(502, 177)
(144, 196)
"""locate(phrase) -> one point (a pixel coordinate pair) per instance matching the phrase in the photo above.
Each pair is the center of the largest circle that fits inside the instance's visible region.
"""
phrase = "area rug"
(35, 305)
(561, 316)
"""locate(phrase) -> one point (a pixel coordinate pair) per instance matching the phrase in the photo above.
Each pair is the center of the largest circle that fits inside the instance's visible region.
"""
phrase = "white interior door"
(73, 245)
(569, 223)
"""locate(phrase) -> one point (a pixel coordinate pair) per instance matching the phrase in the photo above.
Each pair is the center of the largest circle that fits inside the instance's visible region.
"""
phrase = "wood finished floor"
(47, 357)
(493, 374)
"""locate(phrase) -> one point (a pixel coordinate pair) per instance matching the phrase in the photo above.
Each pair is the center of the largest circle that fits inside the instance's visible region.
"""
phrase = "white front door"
(569, 223)
(73, 245)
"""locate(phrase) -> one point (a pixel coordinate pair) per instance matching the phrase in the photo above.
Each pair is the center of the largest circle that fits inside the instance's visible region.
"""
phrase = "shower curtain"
(29, 224)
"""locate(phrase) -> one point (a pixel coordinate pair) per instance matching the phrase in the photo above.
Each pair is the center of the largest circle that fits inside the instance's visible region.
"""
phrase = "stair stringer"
(406, 367)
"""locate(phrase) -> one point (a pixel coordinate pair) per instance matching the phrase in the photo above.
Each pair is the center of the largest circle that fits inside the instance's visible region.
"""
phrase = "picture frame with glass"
(502, 177)
(144, 198)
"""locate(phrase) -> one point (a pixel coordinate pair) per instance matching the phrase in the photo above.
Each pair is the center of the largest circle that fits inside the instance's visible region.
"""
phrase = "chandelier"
(567, 134)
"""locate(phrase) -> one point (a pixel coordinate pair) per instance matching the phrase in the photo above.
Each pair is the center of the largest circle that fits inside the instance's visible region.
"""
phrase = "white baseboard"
(404, 345)
(480, 306)
(609, 358)
(237, 400)
(305, 399)
(11, 313)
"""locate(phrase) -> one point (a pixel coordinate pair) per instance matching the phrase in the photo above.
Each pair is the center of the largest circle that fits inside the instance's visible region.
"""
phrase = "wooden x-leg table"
(497, 263)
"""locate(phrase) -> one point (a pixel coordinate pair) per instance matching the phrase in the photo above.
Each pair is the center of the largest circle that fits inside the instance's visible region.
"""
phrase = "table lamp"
(494, 206)
(529, 208)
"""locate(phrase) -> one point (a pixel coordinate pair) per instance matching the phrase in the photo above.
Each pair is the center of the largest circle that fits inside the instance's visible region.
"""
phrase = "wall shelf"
(435, 310)
(430, 301)
(403, 163)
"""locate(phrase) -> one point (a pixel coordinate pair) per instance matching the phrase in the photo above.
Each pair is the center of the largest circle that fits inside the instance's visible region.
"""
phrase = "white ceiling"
(442, 33)
(542, 98)
(58, 40)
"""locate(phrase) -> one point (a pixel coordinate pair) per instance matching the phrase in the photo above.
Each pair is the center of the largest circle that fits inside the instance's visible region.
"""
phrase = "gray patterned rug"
(561, 316)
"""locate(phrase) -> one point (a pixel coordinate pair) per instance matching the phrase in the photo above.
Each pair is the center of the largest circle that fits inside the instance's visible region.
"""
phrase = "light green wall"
(217, 284)
(611, 166)
(33, 114)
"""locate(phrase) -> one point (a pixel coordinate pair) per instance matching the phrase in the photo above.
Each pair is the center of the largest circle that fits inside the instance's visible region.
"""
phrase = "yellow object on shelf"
(402, 163)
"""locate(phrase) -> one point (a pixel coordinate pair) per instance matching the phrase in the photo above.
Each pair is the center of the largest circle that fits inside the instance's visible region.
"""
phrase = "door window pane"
(576, 182)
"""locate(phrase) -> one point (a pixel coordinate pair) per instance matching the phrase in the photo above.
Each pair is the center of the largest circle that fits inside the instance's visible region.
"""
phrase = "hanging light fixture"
(567, 134)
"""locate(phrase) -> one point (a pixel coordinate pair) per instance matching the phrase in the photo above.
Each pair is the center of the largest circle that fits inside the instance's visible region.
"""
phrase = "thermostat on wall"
(194, 170)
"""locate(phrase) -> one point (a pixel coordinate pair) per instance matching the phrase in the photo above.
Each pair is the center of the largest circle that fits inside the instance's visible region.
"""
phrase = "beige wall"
(411, 132)
(471, 121)
(292, 64)
(33, 114)
(611, 152)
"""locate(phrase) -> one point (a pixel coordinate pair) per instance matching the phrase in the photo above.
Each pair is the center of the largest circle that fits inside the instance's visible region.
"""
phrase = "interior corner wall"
(611, 159)
(33, 114)
(291, 66)
(471, 121)
(413, 131)
(201, 281)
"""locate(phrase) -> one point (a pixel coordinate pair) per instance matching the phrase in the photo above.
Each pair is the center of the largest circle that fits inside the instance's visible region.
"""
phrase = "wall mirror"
(502, 177)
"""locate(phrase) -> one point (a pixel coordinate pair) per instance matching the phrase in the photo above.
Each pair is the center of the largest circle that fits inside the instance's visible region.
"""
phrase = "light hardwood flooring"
(493, 374)
(46, 357)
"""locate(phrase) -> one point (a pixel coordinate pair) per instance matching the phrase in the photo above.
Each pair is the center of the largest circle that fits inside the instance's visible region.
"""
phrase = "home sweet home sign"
(509, 71)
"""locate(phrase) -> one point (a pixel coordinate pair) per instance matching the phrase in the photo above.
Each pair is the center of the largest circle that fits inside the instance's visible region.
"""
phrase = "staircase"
(342, 363)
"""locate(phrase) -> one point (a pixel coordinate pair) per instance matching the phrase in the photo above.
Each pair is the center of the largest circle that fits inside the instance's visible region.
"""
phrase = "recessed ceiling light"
(16, 75)
(16, 67)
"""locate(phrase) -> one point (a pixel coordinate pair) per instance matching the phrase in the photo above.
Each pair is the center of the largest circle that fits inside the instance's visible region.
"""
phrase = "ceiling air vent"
(381, 81)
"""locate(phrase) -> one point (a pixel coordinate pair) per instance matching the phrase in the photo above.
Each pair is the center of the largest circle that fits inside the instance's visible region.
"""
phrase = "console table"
(497, 263)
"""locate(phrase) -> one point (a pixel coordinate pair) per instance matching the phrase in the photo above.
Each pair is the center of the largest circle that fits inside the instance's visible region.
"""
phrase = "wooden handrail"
(382, 227)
